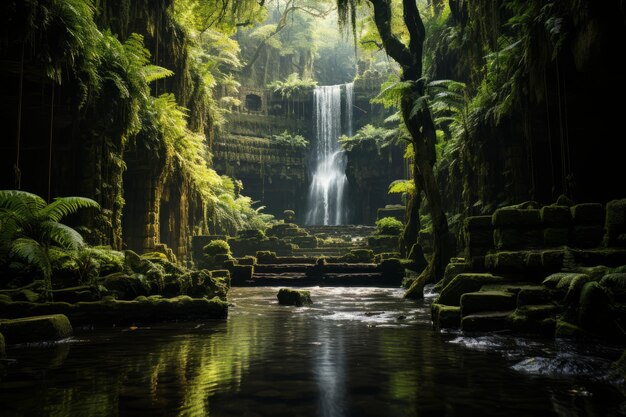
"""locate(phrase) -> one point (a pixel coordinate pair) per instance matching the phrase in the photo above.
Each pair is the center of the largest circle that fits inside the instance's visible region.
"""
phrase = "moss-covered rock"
(536, 319)
(126, 287)
(26, 295)
(290, 297)
(359, 256)
(569, 330)
(537, 295)
(555, 236)
(282, 230)
(247, 260)
(486, 322)
(588, 214)
(266, 257)
(465, 283)
(513, 217)
(36, 329)
(142, 310)
(383, 243)
(251, 234)
(289, 216)
(482, 301)
(3, 352)
(76, 294)
(556, 216)
(595, 313)
(616, 223)
(392, 268)
(239, 274)
(587, 236)
(506, 261)
(452, 270)
(308, 242)
(446, 317)
(517, 238)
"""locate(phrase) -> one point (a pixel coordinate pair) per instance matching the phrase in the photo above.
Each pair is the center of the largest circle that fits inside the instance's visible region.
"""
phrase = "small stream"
(355, 352)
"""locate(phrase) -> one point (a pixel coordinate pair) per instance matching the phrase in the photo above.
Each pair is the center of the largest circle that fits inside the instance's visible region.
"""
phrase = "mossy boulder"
(486, 322)
(247, 260)
(289, 216)
(536, 319)
(36, 329)
(570, 330)
(507, 261)
(26, 295)
(378, 258)
(290, 297)
(452, 270)
(203, 284)
(481, 301)
(142, 310)
(446, 317)
(537, 295)
(616, 223)
(383, 243)
(76, 294)
(266, 257)
(555, 236)
(307, 242)
(239, 274)
(588, 214)
(517, 238)
(251, 234)
(282, 230)
(465, 283)
(126, 287)
(509, 217)
(587, 236)
(595, 313)
(176, 285)
(359, 255)
(392, 268)
(556, 216)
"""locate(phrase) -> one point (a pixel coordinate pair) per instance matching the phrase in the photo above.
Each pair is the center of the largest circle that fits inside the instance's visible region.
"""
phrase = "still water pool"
(356, 352)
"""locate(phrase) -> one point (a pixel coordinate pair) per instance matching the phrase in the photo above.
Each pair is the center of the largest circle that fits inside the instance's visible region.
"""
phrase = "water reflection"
(348, 355)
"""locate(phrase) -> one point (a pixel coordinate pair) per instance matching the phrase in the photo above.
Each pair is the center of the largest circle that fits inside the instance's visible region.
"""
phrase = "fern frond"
(63, 206)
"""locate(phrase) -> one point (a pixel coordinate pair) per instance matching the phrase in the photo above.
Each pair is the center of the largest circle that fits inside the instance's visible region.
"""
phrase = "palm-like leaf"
(62, 235)
(64, 206)
(33, 252)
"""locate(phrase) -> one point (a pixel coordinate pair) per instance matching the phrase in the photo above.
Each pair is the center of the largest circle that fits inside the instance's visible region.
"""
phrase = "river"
(355, 352)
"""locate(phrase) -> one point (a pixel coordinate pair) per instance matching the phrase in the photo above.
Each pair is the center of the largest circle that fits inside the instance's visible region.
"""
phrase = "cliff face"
(278, 174)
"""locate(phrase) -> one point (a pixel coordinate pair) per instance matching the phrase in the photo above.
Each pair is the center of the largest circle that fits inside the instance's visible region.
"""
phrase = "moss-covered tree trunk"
(420, 126)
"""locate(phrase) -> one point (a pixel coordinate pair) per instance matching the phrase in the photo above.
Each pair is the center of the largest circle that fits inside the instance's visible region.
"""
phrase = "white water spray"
(328, 187)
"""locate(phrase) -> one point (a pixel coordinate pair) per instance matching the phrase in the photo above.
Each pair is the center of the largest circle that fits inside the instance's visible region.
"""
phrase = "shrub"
(389, 226)
(217, 247)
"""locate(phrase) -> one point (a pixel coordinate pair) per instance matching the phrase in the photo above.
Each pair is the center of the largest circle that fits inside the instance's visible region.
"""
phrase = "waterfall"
(349, 109)
(325, 203)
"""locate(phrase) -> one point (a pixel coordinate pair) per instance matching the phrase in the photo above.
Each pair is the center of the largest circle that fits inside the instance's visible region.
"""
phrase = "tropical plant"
(389, 226)
(380, 137)
(295, 141)
(292, 86)
(30, 229)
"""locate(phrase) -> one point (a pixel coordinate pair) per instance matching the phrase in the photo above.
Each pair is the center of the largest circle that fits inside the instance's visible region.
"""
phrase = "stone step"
(36, 329)
(487, 322)
(487, 301)
(374, 279)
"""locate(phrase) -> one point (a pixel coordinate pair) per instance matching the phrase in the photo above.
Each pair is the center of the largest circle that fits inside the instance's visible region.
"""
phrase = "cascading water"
(326, 194)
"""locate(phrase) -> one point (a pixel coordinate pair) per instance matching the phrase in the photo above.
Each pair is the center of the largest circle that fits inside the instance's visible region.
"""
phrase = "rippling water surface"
(355, 352)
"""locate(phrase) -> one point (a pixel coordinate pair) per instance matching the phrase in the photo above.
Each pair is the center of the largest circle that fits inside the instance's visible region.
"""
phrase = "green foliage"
(217, 247)
(401, 187)
(389, 226)
(379, 137)
(30, 228)
(295, 141)
(292, 86)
